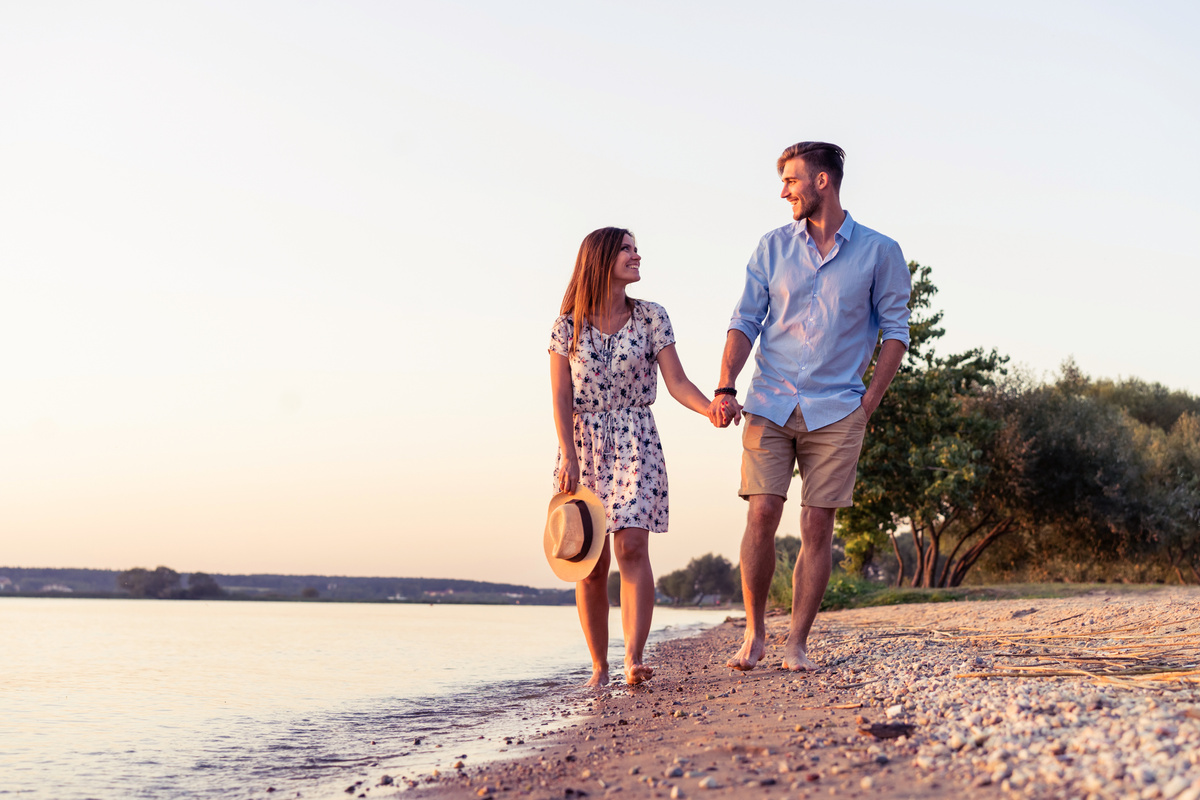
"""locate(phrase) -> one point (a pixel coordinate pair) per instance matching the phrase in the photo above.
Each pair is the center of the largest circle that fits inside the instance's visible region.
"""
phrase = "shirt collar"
(844, 232)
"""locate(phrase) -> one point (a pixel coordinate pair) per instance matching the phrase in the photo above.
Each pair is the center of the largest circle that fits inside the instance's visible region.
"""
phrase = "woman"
(605, 352)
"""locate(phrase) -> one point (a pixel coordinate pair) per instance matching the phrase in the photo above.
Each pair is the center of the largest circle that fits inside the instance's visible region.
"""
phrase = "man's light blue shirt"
(819, 318)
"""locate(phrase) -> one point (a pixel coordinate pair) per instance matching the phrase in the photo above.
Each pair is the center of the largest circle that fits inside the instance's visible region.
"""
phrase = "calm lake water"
(168, 699)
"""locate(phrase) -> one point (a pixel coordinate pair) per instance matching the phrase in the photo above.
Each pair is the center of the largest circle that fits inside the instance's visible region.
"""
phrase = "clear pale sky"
(277, 278)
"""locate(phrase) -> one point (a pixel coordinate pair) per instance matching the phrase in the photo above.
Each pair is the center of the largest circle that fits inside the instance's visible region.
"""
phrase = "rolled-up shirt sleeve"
(754, 303)
(893, 284)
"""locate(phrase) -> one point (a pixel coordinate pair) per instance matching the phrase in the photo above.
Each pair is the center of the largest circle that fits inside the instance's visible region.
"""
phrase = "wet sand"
(917, 701)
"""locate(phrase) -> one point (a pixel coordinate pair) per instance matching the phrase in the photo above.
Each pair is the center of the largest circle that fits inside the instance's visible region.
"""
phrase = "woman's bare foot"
(599, 677)
(748, 657)
(796, 659)
(638, 673)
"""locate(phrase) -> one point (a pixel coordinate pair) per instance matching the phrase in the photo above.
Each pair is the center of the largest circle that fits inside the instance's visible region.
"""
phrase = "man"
(818, 292)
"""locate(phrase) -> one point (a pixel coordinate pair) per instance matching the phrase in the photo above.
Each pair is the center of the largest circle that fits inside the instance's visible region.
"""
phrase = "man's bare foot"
(796, 659)
(599, 677)
(638, 673)
(748, 657)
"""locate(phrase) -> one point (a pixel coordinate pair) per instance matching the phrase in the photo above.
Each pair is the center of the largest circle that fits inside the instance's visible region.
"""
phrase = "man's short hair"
(818, 157)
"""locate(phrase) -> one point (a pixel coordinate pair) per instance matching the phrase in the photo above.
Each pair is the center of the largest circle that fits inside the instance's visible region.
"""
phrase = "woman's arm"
(564, 422)
(677, 381)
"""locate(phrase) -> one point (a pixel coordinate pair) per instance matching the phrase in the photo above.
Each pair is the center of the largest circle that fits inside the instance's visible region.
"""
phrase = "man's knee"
(816, 526)
(762, 518)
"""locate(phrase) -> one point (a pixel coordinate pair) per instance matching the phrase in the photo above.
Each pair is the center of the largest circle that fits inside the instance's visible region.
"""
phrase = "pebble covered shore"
(1096, 696)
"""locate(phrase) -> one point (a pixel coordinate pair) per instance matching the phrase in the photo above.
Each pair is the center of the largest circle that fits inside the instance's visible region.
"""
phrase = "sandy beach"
(1096, 696)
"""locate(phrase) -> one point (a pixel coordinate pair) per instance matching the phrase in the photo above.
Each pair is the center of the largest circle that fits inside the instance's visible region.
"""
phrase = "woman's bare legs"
(591, 599)
(637, 598)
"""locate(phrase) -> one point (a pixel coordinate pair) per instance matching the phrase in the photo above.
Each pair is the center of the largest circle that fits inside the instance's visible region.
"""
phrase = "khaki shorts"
(828, 458)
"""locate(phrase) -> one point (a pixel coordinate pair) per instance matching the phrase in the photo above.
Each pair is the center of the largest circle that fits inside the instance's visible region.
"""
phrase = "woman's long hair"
(592, 279)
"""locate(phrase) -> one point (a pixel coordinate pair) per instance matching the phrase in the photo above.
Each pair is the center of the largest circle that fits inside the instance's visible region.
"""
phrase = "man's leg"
(813, 566)
(758, 567)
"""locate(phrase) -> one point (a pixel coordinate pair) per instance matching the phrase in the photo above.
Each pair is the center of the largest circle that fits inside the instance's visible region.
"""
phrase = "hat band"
(585, 516)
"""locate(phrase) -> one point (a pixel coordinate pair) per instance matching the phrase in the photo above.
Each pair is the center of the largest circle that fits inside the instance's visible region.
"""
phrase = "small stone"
(1175, 787)
(634, 770)
(385, 780)
(677, 793)
(867, 782)
(710, 783)
(587, 773)
(484, 791)
(673, 772)
(459, 765)
(894, 711)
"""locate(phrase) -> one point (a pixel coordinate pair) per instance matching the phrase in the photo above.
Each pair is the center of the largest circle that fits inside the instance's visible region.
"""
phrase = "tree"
(923, 467)
(201, 585)
(707, 575)
(140, 582)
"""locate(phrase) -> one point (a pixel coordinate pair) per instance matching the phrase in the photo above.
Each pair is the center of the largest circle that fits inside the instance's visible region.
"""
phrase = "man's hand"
(724, 409)
(869, 406)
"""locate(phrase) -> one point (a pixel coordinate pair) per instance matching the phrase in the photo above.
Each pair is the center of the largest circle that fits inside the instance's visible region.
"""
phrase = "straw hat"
(575, 532)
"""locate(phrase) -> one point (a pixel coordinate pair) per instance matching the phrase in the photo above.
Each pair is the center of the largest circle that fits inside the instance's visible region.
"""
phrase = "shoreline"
(1006, 698)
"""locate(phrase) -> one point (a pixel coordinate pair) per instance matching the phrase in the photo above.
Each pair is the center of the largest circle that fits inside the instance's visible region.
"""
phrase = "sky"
(277, 278)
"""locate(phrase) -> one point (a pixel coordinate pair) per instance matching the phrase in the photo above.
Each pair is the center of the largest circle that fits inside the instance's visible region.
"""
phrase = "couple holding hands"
(818, 293)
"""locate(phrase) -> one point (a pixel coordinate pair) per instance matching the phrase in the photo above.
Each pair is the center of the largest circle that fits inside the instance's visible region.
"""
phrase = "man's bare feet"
(796, 659)
(748, 657)
(599, 677)
(638, 673)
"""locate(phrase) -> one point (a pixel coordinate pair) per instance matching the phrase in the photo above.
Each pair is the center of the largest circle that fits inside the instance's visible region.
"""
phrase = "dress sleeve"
(661, 333)
(560, 336)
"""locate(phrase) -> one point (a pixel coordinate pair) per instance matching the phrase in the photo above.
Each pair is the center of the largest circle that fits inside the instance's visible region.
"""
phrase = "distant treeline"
(166, 583)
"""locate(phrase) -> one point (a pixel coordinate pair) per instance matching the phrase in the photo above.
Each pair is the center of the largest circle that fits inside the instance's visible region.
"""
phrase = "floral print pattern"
(614, 380)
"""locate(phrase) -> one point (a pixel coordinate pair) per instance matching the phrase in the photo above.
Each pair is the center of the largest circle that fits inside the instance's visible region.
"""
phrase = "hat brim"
(575, 571)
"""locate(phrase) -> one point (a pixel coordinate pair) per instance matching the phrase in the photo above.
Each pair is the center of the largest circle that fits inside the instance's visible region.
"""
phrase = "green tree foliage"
(1172, 481)
(140, 582)
(925, 465)
(201, 585)
(707, 575)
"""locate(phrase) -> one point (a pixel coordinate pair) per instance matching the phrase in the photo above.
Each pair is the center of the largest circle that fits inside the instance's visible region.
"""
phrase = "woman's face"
(627, 267)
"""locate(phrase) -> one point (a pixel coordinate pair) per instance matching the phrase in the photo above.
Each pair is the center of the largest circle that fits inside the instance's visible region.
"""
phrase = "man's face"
(799, 189)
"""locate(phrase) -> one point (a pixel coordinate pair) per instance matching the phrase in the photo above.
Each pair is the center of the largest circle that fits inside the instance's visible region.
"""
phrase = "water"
(166, 699)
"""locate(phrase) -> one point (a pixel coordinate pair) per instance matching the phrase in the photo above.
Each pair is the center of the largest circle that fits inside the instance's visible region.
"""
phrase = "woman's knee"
(631, 545)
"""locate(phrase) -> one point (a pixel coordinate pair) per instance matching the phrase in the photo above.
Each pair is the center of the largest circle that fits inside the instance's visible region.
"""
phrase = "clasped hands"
(724, 409)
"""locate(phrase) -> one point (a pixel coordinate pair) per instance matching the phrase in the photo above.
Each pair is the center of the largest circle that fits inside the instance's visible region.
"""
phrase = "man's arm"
(724, 408)
(744, 328)
(891, 353)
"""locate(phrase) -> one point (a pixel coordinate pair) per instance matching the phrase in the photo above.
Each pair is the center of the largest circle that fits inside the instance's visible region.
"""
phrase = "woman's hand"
(568, 474)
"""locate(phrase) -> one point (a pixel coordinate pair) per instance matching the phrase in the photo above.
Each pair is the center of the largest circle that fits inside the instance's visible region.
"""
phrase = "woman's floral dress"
(614, 380)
